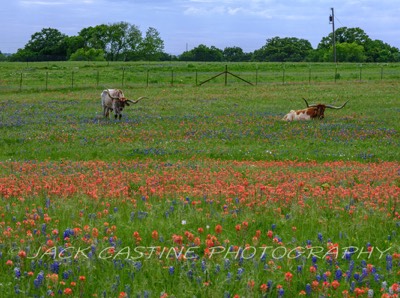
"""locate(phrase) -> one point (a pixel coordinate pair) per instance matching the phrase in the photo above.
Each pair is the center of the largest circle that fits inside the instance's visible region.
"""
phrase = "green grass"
(186, 160)
(237, 122)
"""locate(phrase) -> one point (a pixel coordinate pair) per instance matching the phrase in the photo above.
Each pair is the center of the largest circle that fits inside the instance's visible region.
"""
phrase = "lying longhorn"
(313, 111)
(115, 100)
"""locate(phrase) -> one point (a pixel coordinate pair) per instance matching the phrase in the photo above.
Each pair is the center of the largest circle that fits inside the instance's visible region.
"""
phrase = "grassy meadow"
(199, 191)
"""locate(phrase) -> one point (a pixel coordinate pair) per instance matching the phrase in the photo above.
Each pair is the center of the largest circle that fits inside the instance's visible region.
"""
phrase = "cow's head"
(317, 110)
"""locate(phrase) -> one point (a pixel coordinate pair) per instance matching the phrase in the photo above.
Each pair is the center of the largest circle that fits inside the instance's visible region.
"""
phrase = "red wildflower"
(263, 288)
(288, 276)
(67, 291)
(154, 235)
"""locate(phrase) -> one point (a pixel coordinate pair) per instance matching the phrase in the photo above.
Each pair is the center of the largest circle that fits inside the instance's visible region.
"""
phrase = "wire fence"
(68, 75)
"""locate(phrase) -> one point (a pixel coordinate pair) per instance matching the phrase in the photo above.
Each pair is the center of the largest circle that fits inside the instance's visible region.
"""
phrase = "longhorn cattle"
(115, 100)
(313, 111)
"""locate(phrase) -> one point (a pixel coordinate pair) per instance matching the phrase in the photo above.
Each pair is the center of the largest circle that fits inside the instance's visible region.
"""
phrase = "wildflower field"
(201, 192)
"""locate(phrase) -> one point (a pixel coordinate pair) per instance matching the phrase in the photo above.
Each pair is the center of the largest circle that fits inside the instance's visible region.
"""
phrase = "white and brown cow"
(313, 111)
(115, 100)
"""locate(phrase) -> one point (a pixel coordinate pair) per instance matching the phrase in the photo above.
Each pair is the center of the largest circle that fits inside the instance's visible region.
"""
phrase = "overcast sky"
(185, 24)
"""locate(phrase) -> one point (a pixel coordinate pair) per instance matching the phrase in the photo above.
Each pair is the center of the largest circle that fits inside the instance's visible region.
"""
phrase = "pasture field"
(200, 191)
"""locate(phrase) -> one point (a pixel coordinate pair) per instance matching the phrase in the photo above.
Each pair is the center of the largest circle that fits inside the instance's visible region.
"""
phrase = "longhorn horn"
(337, 108)
(109, 94)
(136, 101)
(306, 102)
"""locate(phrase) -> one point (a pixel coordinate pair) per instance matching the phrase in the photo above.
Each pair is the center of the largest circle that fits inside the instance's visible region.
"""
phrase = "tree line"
(125, 42)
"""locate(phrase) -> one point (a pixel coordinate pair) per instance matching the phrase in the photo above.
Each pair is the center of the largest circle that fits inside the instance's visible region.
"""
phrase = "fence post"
(47, 78)
(172, 77)
(20, 83)
(97, 78)
(123, 76)
(381, 73)
(72, 80)
(196, 77)
(226, 74)
(256, 75)
(283, 73)
(147, 78)
(309, 73)
(335, 73)
(360, 71)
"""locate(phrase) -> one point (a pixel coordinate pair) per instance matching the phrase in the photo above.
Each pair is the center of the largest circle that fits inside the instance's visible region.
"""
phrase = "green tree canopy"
(355, 39)
(288, 49)
(235, 54)
(152, 45)
(88, 55)
(202, 53)
(46, 45)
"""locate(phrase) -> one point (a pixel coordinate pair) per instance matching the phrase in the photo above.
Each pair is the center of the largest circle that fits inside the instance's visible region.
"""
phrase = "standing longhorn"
(115, 100)
(313, 111)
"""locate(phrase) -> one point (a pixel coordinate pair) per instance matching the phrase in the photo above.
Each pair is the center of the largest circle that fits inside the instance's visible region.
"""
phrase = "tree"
(353, 38)
(72, 44)
(235, 54)
(119, 41)
(46, 45)
(202, 53)
(345, 34)
(2, 57)
(88, 55)
(288, 49)
(348, 52)
(378, 51)
(152, 45)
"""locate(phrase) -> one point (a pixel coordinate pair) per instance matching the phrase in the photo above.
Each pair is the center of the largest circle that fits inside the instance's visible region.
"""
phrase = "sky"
(185, 24)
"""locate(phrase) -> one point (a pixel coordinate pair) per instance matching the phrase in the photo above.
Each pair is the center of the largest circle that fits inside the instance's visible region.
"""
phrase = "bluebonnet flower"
(338, 274)
(308, 289)
(240, 273)
(299, 269)
(377, 277)
(263, 257)
(364, 273)
(203, 265)
(281, 292)
(370, 293)
(229, 276)
(190, 274)
(55, 267)
(389, 263)
(320, 237)
(171, 270)
(217, 268)
(273, 227)
(138, 265)
(227, 264)
(38, 281)
(68, 233)
(352, 286)
(356, 276)
(17, 272)
(314, 259)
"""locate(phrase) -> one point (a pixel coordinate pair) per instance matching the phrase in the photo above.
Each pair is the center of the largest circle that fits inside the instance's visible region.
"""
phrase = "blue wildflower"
(171, 270)
(17, 272)
(308, 289)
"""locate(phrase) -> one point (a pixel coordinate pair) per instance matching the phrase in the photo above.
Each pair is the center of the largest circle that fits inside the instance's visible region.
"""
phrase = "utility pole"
(332, 21)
